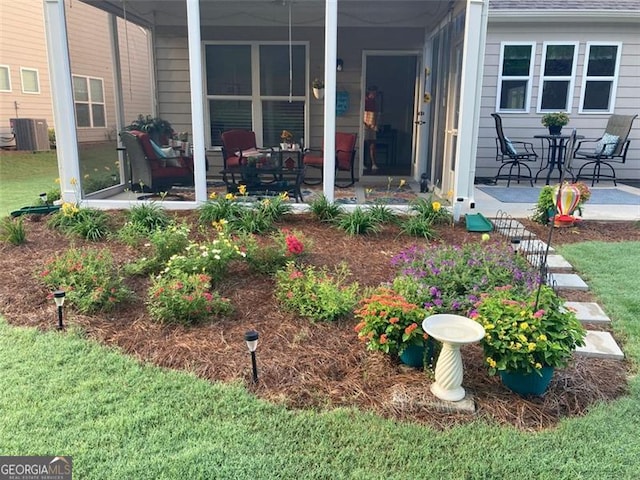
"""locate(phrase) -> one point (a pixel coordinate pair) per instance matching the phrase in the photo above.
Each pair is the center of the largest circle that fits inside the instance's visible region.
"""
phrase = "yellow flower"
(485, 237)
(229, 196)
(489, 326)
(69, 209)
(436, 206)
(73, 181)
(402, 183)
(284, 195)
(368, 191)
(537, 366)
(213, 195)
(242, 189)
(491, 362)
(450, 194)
(542, 338)
(522, 338)
(532, 347)
(524, 326)
(57, 180)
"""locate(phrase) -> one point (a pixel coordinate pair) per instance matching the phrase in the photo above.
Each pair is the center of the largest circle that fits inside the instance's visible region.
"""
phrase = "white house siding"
(523, 126)
(173, 74)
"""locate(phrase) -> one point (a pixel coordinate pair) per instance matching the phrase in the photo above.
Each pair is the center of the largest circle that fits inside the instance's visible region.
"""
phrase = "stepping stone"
(534, 245)
(558, 263)
(568, 281)
(588, 312)
(409, 399)
(600, 345)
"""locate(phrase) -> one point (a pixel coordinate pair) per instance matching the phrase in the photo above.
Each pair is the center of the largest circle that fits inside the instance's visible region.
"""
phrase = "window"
(88, 95)
(600, 77)
(5, 79)
(557, 77)
(248, 87)
(30, 81)
(514, 81)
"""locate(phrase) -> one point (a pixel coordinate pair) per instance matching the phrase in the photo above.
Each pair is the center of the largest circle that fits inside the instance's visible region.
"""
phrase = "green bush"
(87, 223)
(162, 245)
(268, 255)
(316, 293)
(219, 207)
(431, 211)
(323, 209)
(418, 226)
(358, 222)
(89, 277)
(12, 230)
(185, 298)
(382, 213)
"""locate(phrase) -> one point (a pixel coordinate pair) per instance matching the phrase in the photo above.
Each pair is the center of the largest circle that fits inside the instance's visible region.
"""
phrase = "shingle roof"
(564, 5)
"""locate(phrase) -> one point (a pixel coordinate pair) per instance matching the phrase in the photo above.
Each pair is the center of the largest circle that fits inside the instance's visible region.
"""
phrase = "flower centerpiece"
(286, 139)
(391, 324)
(526, 339)
(555, 121)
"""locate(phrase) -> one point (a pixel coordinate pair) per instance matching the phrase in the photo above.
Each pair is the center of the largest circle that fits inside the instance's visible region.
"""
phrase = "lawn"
(63, 394)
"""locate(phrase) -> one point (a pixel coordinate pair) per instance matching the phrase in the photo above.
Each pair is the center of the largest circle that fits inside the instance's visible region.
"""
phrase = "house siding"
(523, 126)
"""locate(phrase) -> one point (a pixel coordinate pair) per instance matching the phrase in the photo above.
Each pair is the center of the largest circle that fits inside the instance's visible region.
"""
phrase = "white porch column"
(330, 57)
(475, 34)
(197, 99)
(62, 99)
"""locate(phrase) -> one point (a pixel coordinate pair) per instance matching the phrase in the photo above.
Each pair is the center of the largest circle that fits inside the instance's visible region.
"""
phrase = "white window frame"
(255, 97)
(26, 69)
(8, 69)
(571, 78)
(613, 79)
(91, 102)
(529, 78)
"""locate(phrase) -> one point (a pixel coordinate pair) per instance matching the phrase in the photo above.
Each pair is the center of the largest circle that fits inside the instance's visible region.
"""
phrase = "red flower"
(294, 246)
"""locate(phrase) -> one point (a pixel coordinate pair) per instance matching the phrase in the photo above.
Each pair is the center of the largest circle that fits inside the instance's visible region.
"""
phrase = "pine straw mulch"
(304, 364)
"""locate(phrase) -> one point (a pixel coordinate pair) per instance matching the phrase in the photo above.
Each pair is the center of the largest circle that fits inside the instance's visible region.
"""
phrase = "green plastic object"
(478, 223)
(43, 210)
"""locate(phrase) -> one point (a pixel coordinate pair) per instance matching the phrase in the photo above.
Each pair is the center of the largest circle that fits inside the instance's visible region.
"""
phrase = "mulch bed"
(304, 364)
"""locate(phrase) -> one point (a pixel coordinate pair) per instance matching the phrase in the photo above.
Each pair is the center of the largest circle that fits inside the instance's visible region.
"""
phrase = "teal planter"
(527, 383)
(417, 355)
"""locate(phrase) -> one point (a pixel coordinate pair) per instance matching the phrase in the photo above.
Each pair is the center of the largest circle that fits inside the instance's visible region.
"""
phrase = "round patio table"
(557, 151)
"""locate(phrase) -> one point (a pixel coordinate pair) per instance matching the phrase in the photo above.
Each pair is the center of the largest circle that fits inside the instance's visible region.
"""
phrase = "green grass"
(24, 175)
(62, 394)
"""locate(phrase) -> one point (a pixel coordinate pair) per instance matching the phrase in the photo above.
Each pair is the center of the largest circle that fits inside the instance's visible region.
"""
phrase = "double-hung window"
(5, 78)
(88, 95)
(557, 77)
(514, 81)
(256, 86)
(30, 80)
(600, 77)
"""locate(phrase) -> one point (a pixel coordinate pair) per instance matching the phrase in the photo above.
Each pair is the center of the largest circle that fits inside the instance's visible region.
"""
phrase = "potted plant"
(391, 324)
(159, 130)
(286, 139)
(555, 121)
(526, 340)
(318, 88)
(546, 206)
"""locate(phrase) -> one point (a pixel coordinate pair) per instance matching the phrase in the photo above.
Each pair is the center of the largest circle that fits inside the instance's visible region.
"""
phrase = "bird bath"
(452, 331)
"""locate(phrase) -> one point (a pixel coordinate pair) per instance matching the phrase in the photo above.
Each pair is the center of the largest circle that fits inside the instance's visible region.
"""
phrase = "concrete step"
(588, 312)
(555, 263)
(600, 345)
(568, 281)
(534, 245)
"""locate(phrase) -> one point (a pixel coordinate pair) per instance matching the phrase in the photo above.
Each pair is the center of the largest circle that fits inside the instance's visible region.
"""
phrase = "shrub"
(450, 279)
(251, 219)
(522, 337)
(382, 213)
(316, 293)
(323, 209)
(267, 255)
(275, 207)
(148, 217)
(185, 298)
(219, 207)
(12, 230)
(418, 226)
(162, 245)
(358, 222)
(89, 277)
(431, 211)
(389, 323)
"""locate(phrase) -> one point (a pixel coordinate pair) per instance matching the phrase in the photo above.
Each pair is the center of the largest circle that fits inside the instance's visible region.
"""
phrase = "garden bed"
(304, 364)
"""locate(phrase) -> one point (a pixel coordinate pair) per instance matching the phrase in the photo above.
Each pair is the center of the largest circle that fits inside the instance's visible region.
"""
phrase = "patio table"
(555, 159)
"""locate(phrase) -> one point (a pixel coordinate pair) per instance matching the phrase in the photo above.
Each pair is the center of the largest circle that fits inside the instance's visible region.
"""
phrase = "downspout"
(330, 58)
(62, 100)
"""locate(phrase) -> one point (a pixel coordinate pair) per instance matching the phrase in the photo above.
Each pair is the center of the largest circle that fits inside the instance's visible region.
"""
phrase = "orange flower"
(410, 328)
(394, 320)
(383, 339)
(359, 326)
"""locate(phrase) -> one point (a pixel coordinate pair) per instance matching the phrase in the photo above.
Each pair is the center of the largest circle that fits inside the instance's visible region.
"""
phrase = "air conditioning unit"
(31, 134)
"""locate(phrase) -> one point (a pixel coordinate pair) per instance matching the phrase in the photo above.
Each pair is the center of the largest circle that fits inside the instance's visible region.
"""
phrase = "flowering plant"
(389, 323)
(450, 279)
(267, 255)
(286, 136)
(555, 119)
(521, 337)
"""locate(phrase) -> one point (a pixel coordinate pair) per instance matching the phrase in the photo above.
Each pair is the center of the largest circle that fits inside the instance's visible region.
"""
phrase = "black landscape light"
(515, 244)
(58, 296)
(251, 337)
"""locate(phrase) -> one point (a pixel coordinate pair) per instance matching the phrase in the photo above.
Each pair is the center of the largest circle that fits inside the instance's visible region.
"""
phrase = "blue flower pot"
(413, 356)
(527, 383)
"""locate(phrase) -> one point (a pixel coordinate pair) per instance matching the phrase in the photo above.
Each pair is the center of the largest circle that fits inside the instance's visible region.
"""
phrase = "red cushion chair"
(345, 157)
(149, 172)
(234, 142)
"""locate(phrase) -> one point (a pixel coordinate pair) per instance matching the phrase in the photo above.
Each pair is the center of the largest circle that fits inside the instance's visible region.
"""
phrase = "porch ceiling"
(305, 13)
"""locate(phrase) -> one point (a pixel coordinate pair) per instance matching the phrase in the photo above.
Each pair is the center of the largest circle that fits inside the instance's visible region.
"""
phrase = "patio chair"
(345, 158)
(512, 158)
(150, 172)
(610, 148)
(235, 143)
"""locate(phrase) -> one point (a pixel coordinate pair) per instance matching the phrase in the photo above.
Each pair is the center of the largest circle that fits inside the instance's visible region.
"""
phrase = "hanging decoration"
(342, 103)
(567, 199)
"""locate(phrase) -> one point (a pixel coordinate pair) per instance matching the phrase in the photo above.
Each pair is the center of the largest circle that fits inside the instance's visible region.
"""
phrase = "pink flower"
(295, 274)
(539, 314)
